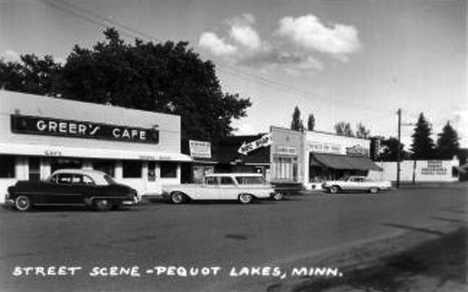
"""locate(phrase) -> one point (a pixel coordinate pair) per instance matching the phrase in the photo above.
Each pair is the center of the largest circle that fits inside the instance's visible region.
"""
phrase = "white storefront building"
(39, 135)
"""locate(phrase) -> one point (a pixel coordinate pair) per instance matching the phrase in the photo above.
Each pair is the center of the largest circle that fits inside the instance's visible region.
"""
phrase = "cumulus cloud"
(216, 45)
(293, 45)
(309, 33)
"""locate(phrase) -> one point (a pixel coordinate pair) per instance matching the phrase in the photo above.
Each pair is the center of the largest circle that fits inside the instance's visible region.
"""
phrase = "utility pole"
(398, 151)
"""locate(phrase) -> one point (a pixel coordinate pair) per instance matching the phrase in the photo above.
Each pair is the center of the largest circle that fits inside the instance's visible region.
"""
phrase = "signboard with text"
(81, 129)
(200, 149)
(251, 146)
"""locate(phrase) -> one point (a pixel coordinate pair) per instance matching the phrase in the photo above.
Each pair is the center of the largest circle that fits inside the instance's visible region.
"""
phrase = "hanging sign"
(251, 146)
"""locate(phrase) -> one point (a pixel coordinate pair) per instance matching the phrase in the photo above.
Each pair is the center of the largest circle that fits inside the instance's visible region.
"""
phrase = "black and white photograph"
(233, 145)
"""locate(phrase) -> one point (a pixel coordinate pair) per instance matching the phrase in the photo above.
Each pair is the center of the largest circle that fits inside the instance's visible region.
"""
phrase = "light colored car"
(356, 183)
(243, 187)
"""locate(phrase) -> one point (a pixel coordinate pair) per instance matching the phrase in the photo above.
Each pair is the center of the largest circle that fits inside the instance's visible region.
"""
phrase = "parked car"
(243, 187)
(356, 183)
(75, 187)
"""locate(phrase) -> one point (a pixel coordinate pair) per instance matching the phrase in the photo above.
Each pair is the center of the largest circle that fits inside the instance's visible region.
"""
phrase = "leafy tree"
(311, 122)
(423, 145)
(447, 143)
(389, 150)
(296, 123)
(32, 75)
(162, 77)
(344, 129)
(362, 131)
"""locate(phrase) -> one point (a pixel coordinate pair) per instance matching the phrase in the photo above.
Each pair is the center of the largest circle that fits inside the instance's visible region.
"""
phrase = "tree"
(389, 150)
(362, 131)
(296, 123)
(161, 77)
(447, 143)
(32, 75)
(423, 145)
(344, 129)
(311, 122)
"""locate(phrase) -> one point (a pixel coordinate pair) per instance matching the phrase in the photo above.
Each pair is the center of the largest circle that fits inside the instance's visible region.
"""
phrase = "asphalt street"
(148, 247)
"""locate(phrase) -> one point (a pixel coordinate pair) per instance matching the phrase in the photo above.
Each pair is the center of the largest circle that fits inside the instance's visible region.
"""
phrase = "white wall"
(420, 171)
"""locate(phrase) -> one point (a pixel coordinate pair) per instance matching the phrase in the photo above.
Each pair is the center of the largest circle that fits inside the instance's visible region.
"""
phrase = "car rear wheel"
(23, 203)
(278, 196)
(373, 190)
(245, 198)
(333, 190)
(103, 204)
(177, 198)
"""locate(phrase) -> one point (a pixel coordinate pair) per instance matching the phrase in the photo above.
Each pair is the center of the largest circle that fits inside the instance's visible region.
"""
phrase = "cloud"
(247, 37)
(216, 45)
(307, 32)
(293, 45)
(10, 56)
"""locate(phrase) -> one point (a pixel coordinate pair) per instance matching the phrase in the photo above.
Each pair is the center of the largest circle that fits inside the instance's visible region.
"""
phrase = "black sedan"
(72, 187)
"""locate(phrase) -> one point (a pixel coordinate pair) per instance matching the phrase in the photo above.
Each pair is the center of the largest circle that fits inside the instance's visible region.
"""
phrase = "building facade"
(332, 157)
(39, 135)
(278, 155)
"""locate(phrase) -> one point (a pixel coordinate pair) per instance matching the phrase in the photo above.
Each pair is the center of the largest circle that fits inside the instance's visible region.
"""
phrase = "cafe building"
(333, 157)
(39, 135)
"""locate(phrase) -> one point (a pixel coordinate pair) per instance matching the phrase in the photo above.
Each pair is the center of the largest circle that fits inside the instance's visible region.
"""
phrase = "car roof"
(79, 171)
(234, 174)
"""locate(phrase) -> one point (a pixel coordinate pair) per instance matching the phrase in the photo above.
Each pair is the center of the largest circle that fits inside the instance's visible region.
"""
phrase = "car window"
(63, 178)
(226, 181)
(249, 180)
(87, 180)
(77, 179)
(211, 181)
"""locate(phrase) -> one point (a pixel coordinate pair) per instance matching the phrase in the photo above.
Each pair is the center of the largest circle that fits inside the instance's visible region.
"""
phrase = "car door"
(209, 190)
(228, 189)
(56, 190)
(81, 187)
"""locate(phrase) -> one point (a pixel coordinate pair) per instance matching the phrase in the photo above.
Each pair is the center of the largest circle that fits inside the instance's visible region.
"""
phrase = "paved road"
(210, 235)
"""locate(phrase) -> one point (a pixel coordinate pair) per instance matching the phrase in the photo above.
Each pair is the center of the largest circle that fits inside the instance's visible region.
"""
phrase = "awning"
(343, 162)
(82, 152)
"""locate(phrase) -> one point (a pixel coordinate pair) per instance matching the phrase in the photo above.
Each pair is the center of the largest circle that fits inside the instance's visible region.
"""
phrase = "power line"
(105, 22)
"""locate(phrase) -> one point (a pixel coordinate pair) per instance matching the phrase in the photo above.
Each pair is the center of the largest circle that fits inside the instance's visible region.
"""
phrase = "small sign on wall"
(200, 149)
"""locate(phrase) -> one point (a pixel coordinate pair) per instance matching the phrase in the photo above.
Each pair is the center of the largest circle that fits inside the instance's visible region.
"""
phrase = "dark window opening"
(168, 170)
(131, 169)
(7, 166)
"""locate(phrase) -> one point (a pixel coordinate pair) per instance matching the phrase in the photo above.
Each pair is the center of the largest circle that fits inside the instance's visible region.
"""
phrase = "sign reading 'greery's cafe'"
(80, 129)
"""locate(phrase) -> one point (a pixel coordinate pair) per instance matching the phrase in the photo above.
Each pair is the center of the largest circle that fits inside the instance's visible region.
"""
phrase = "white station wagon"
(356, 183)
(243, 187)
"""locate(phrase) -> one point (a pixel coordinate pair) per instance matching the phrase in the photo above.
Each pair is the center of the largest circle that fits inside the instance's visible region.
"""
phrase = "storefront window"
(34, 168)
(286, 168)
(168, 170)
(7, 166)
(106, 166)
(62, 163)
(131, 169)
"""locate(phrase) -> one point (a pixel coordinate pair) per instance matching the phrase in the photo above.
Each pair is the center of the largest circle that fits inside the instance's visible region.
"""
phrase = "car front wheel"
(103, 204)
(177, 197)
(23, 203)
(333, 190)
(245, 198)
(278, 196)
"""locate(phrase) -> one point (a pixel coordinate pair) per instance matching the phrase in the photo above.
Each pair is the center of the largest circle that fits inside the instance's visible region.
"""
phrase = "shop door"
(153, 183)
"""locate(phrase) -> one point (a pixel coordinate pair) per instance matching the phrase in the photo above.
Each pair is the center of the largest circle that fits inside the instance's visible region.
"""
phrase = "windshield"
(110, 180)
(250, 180)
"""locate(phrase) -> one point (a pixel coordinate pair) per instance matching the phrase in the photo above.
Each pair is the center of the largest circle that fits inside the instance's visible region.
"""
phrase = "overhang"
(96, 153)
(342, 162)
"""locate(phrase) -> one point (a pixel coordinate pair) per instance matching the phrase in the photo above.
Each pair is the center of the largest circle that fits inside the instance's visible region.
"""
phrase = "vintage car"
(74, 187)
(243, 187)
(356, 183)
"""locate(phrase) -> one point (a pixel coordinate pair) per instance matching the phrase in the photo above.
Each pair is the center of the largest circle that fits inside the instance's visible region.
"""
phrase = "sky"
(357, 61)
